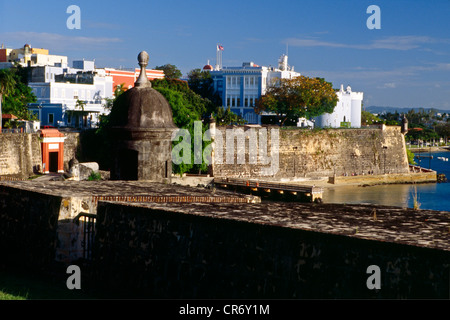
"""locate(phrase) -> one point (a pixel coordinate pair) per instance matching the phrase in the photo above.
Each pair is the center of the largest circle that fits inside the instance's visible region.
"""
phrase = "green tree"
(421, 133)
(170, 71)
(187, 108)
(7, 84)
(368, 118)
(15, 94)
(203, 107)
(202, 83)
(118, 90)
(410, 155)
(97, 143)
(226, 117)
(298, 97)
(392, 119)
(443, 130)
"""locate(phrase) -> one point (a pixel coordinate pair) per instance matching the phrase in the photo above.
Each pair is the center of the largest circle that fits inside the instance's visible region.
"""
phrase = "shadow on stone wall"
(28, 229)
(160, 254)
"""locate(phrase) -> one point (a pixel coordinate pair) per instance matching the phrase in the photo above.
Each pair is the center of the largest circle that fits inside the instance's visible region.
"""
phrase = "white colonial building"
(58, 88)
(239, 87)
(347, 112)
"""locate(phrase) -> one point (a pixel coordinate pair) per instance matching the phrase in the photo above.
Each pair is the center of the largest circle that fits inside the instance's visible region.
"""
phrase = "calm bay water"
(434, 196)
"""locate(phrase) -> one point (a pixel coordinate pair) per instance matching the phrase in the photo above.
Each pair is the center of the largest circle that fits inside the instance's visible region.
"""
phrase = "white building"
(347, 112)
(305, 123)
(61, 87)
(239, 87)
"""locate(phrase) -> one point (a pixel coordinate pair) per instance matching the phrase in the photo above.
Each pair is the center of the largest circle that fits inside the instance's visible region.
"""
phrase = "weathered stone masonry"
(39, 216)
(302, 153)
(324, 153)
(20, 154)
(271, 251)
(225, 249)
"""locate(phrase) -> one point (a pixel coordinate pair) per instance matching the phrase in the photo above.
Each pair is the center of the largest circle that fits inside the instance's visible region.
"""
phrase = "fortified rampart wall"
(310, 153)
(226, 249)
(263, 251)
(301, 153)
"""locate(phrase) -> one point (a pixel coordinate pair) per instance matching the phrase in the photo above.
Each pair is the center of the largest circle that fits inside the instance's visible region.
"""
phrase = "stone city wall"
(302, 153)
(176, 252)
(419, 177)
(28, 226)
(71, 147)
(230, 250)
(321, 153)
(20, 154)
(34, 214)
(38, 228)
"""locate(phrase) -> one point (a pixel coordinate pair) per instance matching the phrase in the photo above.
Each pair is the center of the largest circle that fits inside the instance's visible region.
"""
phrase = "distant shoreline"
(429, 149)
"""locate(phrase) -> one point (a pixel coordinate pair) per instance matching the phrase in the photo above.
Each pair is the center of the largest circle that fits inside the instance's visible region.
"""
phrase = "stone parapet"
(275, 250)
(304, 153)
(418, 177)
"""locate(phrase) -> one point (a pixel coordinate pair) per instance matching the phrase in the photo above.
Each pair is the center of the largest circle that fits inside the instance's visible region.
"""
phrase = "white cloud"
(389, 85)
(383, 78)
(401, 42)
(389, 43)
(54, 41)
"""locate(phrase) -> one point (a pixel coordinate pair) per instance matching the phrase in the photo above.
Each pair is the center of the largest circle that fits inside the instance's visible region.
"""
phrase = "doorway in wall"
(53, 161)
(128, 164)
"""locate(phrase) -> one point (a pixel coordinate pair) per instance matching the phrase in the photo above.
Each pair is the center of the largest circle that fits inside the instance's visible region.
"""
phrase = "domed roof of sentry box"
(142, 106)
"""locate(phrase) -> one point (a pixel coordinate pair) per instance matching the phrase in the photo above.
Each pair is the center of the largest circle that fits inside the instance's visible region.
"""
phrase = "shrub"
(95, 176)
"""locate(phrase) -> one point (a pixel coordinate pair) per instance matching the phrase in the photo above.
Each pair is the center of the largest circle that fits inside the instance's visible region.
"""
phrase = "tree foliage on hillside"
(298, 97)
(420, 132)
(187, 107)
(368, 118)
(202, 83)
(15, 94)
(170, 71)
(443, 129)
(224, 117)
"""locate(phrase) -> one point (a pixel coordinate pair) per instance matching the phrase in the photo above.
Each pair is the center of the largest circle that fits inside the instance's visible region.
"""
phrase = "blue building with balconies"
(240, 87)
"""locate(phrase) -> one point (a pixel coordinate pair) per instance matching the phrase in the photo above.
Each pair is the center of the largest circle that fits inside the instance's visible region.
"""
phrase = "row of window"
(235, 81)
(70, 120)
(235, 101)
(82, 94)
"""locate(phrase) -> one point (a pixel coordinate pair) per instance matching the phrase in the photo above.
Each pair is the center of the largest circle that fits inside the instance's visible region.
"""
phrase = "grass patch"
(19, 286)
(7, 296)
(34, 176)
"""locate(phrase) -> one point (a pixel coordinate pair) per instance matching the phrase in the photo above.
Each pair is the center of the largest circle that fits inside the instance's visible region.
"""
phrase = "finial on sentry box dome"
(142, 81)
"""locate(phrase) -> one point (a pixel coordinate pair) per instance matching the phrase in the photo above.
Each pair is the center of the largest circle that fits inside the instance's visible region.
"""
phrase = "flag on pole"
(220, 47)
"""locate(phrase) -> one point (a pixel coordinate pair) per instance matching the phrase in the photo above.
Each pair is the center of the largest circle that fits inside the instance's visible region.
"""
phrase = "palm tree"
(7, 84)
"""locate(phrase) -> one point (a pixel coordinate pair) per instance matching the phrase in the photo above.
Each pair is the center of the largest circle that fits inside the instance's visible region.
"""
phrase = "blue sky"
(404, 64)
